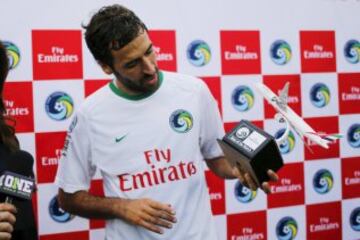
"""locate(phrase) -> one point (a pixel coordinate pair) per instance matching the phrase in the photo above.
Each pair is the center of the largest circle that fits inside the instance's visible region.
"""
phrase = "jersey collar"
(125, 95)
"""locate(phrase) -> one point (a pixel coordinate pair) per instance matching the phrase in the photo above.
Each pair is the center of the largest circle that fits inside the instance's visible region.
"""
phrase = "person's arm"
(221, 167)
(7, 220)
(146, 213)
(74, 174)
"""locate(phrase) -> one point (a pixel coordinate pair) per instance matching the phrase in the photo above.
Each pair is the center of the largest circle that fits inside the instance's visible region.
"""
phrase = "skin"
(7, 220)
(221, 167)
(135, 67)
(136, 71)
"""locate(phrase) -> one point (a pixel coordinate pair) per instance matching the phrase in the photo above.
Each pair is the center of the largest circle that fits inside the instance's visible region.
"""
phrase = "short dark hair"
(111, 28)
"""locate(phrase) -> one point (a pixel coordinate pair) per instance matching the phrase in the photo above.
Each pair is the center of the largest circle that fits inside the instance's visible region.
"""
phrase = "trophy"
(252, 150)
(255, 151)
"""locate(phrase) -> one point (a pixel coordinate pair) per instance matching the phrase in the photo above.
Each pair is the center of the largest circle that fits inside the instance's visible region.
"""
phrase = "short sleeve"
(211, 125)
(75, 170)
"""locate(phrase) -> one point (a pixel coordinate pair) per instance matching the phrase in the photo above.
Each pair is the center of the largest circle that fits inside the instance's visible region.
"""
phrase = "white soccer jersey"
(149, 147)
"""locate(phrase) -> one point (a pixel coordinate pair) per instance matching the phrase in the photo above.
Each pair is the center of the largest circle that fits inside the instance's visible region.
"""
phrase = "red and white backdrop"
(315, 45)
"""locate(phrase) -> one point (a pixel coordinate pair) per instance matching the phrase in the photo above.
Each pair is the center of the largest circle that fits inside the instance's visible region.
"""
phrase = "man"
(148, 133)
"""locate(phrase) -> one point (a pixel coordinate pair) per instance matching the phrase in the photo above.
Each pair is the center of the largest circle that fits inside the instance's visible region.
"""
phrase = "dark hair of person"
(7, 131)
(111, 28)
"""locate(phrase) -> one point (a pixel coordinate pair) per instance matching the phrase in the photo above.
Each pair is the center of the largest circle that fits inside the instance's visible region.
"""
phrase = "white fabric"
(150, 159)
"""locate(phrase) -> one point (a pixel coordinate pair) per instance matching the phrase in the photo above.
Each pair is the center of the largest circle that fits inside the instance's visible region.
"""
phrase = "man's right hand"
(147, 213)
(7, 220)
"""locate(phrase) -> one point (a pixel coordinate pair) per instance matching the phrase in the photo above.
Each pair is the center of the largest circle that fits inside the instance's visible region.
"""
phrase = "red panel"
(84, 235)
(327, 125)
(18, 102)
(57, 54)
(289, 190)
(247, 226)
(349, 93)
(48, 153)
(92, 86)
(317, 51)
(240, 52)
(276, 83)
(324, 221)
(350, 173)
(216, 187)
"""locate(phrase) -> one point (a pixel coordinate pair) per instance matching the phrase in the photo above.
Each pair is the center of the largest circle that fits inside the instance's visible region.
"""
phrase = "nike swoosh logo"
(118, 139)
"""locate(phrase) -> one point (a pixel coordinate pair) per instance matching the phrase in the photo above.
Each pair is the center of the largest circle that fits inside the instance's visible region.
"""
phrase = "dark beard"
(137, 88)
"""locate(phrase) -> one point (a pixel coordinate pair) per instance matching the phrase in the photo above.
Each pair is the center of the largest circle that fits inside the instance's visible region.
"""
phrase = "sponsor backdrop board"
(314, 45)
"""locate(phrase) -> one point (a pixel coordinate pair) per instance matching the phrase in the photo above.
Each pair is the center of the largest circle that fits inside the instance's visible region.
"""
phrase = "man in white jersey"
(148, 133)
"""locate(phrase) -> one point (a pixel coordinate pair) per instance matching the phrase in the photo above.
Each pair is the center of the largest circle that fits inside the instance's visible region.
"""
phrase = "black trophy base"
(252, 150)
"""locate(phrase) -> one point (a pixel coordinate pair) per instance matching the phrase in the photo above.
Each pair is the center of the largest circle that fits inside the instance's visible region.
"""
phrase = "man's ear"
(105, 68)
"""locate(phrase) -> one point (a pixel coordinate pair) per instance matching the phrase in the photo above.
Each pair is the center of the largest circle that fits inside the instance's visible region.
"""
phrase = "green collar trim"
(125, 95)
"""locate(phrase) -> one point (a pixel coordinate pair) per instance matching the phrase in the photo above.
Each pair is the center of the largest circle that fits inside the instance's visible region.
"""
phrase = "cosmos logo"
(320, 95)
(352, 51)
(244, 194)
(242, 132)
(286, 228)
(59, 106)
(355, 219)
(287, 145)
(323, 181)
(181, 121)
(198, 53)
(57, 214)
(13, 54)
(242, 98)
(353, 135)
(280, 52)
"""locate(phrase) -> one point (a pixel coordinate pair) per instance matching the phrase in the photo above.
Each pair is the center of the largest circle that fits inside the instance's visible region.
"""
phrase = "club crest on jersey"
(181, 121)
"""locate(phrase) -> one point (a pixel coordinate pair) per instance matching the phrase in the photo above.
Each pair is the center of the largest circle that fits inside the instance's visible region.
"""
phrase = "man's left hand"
(249, 182)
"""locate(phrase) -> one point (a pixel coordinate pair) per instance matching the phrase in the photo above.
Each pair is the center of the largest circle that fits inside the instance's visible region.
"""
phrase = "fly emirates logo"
(318, 51)
(353, 180)
(325, 224)
(353, 95)
(57, 55)
(160, 170)
(241, 53)
(53, 160)
(160, 56)
(286, 186)
(12, 110)
(248, 234)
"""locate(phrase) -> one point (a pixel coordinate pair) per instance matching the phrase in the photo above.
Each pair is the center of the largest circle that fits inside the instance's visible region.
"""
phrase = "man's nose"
(148, 66)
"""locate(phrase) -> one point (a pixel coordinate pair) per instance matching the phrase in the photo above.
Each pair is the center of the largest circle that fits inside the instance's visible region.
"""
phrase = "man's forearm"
(221, 167)
(143, 212)
(83, 204)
